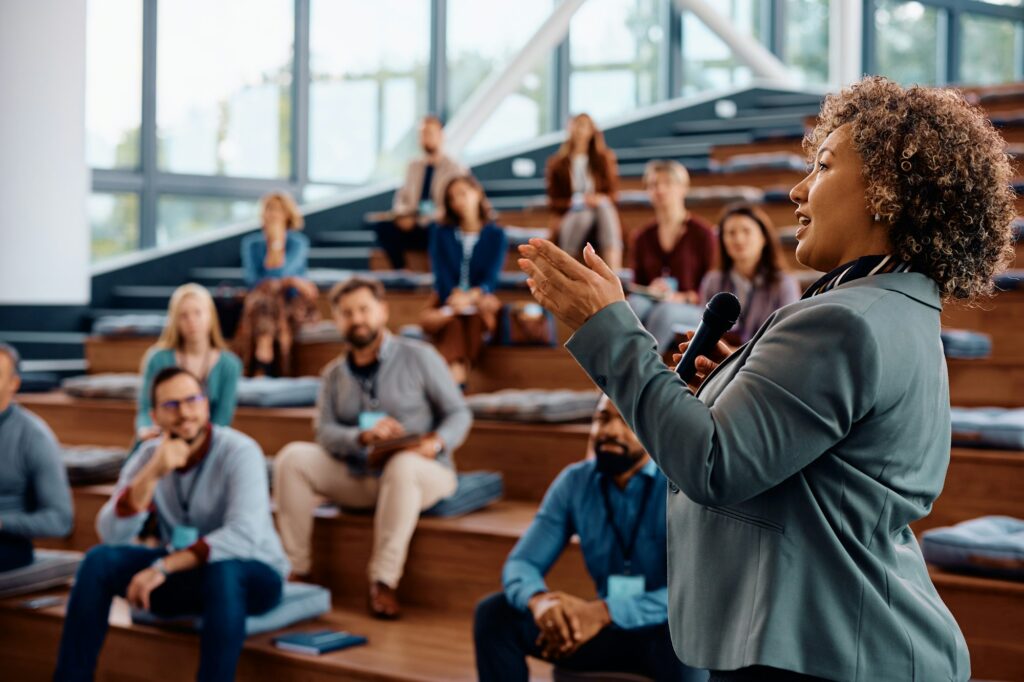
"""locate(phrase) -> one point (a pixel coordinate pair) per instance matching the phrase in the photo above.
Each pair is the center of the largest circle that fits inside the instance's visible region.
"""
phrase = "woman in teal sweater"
(192, 340)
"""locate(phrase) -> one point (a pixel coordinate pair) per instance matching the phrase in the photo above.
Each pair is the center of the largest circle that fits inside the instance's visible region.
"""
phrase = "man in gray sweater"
(35, 501)
(390, 416)
(219, 555)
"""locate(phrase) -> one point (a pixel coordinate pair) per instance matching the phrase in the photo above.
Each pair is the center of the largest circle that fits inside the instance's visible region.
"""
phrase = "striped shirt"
(865, 266)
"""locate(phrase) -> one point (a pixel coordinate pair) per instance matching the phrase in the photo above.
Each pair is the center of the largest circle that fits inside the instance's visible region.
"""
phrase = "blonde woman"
(192, 340)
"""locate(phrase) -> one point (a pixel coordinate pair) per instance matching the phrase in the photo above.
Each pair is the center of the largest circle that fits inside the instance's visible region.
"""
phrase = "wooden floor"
(424, 645)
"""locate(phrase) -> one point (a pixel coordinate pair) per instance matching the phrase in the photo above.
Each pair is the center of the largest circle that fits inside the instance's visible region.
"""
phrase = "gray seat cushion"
(89, 464)
(278, 391)
(111, 386)
(299, 601)
(51, 568)
(129, 325)
(534, 405)
(476, 490)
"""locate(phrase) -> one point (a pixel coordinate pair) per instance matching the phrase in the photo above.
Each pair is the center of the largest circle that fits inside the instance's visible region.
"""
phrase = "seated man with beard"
(616, 504)
(389, 418)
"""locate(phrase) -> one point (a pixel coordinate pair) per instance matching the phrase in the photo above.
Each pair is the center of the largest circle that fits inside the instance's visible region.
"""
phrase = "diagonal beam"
(747, 48)
(486, 98)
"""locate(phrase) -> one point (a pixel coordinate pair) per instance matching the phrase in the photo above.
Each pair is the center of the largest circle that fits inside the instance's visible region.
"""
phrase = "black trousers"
(15, 551)
(504, 636)
(396, 242)
(759, 673)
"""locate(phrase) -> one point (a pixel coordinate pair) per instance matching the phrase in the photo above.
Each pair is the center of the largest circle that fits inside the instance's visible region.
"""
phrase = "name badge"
(184, 536)
(367, 420)
(626, 586)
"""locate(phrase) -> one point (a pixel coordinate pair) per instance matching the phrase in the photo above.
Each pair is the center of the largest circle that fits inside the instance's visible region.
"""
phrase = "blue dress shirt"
(254, 252)
(574, 504)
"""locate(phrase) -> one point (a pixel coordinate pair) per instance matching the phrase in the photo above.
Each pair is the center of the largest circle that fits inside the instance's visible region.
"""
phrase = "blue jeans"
(223, 593)
(504, 636)
(661, 318)
(15, 551)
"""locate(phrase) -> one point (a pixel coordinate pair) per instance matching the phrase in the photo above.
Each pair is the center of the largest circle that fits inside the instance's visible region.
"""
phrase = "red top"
(691, 258)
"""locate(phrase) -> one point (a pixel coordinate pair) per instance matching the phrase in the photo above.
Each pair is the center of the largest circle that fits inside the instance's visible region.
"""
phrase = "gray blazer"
(801, 462)
(407, 198)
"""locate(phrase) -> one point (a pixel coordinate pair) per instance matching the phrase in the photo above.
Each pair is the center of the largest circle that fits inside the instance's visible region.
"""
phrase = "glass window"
(114, 219)
(224, 78)
(908, 42)
(474, 53)
(708, 62)
(180, 217)
(113, 74)
(368, 90)
(615, 49)
(805, 41)
(990, 50)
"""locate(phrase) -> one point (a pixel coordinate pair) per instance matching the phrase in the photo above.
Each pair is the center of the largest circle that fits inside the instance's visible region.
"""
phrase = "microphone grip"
(703, 342)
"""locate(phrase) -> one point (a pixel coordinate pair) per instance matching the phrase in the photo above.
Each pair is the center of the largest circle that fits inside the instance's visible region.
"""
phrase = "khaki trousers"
(304, 473)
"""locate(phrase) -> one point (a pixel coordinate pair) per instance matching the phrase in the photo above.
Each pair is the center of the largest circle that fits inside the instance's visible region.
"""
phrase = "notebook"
(317, 642)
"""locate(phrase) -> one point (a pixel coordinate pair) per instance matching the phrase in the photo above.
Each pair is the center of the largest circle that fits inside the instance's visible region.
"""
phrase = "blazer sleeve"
(803, 386)
(150, 366)
(559, 195)
(497, 254)
(296, 257)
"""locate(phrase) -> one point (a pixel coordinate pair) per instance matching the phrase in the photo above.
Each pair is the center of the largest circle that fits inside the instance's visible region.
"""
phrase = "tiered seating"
(453, 562)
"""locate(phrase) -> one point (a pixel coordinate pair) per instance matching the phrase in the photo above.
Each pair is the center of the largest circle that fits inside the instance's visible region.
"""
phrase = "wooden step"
(978, 483)
(1001, 317)
(452, 563)
(724, 152)
(424, 645)
(986, 383)
(991, 615)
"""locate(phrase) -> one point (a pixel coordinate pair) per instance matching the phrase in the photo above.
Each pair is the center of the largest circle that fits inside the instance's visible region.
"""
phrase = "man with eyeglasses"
(220, 557)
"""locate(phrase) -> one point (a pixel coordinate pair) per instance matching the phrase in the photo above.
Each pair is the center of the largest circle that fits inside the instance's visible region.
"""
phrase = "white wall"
(44, 181)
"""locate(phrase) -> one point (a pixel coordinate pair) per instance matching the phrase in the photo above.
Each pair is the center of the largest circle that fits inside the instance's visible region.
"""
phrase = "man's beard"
(362, 341)
(430, 150)
(614, 461)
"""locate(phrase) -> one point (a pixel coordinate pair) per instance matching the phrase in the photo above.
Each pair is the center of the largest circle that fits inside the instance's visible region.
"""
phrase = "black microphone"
(720, 315)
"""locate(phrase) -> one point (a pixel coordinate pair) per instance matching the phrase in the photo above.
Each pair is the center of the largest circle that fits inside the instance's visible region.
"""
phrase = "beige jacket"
(407, 198)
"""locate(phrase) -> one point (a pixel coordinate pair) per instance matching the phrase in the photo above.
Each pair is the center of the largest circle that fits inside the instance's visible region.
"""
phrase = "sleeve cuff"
(201, 550)
(123, 509)
(520, 596)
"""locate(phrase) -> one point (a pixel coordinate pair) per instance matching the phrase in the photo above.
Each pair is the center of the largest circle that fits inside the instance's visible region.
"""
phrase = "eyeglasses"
(175, 405)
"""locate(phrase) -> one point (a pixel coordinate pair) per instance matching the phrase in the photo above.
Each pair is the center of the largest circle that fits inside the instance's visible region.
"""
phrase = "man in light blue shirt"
(615, 503)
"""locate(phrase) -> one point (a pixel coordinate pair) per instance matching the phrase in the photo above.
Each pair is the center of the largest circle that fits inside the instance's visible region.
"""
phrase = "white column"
(44, 181)
(486, 98)
(845, 41)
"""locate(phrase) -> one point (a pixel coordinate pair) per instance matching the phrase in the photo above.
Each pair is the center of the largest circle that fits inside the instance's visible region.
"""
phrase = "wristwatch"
(159, 565)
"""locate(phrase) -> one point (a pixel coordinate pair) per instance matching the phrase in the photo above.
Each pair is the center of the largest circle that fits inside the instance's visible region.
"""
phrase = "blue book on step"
(318, 642)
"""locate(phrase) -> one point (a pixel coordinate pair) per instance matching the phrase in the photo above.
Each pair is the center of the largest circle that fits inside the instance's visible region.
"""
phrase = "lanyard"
(368, 386)
(183, 501)
(626, 548)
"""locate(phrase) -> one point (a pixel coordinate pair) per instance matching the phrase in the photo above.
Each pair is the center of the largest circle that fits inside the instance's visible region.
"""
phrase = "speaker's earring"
(878, 218)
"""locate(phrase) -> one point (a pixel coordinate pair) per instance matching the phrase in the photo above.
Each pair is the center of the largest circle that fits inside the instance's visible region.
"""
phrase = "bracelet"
(159, 565)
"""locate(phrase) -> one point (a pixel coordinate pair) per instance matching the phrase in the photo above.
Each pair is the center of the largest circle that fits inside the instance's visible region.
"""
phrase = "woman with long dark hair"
(751, 267)
(583, 184)
(467, 251)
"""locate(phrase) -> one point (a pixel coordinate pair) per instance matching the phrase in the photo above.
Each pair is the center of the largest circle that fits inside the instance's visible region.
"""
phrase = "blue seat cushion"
(476, 490)
(990, 545)
(965, 344)
(278, 391)
(50, 568)
(299, 601)
(993, 427)
(89, 464)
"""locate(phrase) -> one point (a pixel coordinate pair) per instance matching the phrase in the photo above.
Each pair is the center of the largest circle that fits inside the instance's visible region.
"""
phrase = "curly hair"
(937, 172)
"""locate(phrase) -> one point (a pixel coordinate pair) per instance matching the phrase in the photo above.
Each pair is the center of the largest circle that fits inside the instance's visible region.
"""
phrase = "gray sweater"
(414, 386)
(230, 507)
(35, 500)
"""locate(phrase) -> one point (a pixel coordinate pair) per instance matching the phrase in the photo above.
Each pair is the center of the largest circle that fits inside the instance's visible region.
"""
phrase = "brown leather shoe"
(383, 602)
